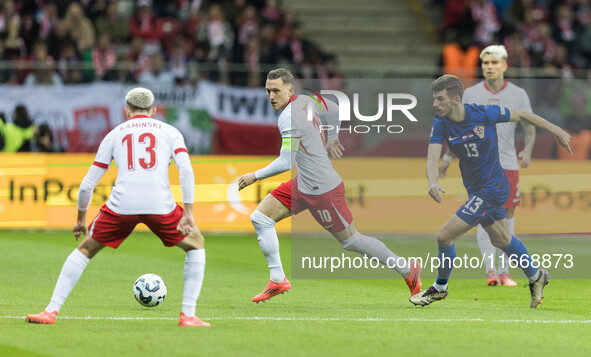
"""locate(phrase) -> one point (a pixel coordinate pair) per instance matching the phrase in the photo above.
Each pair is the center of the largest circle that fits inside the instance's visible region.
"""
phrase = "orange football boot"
(44, 317)
(192, 321)
(272, 289)
(413, 279)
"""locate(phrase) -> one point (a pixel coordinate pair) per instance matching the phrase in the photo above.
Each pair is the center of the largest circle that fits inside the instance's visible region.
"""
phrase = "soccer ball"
(149, 290)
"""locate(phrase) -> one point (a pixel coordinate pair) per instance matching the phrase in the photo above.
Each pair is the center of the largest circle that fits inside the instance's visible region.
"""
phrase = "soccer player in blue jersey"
(471, 135)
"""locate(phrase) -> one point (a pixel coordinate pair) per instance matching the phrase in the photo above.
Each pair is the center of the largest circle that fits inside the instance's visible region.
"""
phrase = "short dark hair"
(451, 83)
(284, 74)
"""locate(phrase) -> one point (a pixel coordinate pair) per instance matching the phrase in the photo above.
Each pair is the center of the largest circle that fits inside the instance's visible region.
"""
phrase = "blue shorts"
(482, 208)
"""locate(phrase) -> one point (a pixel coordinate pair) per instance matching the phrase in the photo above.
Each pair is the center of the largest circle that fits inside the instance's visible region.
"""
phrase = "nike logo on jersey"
(467, 212)
(452, 138)
(327, 227)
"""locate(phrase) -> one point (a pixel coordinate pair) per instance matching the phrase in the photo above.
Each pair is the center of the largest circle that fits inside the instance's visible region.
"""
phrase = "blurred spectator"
(104, 59)
(457, 15)
(330, 77)
(144, 24)
(79, 27)
(95, 9)
(271, 12)
(47, 18)
(113, 24)
(487, 24)
(59, 38)
(29, 32)
(460, 57)
(157, 75)
(215, 38)
(575, 104)
(7, 75)
(137, 59)
(18, 134)
(179, 60)
(43, 72)
(70, 65)
(519, 57)
(543, 46)
(10, 22)
(44, 139)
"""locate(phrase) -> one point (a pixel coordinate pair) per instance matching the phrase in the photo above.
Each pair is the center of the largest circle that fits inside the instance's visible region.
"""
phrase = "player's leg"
(503, 260)
(107, 229)
(451, 230)
(70, 274)
(264, 218)
(510, 205)
(270, 211)
(516, 251)
(352, 240)
(165, 227)
(193, 273)
(489, 253)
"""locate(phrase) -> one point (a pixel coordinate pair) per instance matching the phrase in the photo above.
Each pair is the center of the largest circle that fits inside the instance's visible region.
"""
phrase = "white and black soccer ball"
(149, 290)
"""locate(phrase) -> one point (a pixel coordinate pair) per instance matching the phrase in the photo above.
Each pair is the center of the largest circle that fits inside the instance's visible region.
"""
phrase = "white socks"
(269, 243)
(375, 248)
(193, 273)
(71, 272)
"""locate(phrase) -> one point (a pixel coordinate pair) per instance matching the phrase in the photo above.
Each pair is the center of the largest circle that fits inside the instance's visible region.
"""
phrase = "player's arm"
(530, 139)
(187, 181)
(445, 161)
(433, 154)
(562, 136)
(93, 176)
(284, 162)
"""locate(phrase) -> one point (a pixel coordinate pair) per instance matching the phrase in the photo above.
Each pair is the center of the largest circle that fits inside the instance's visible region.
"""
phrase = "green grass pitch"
(318, 317)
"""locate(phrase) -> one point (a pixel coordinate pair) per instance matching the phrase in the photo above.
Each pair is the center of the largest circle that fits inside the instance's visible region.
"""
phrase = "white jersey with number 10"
(315, 172)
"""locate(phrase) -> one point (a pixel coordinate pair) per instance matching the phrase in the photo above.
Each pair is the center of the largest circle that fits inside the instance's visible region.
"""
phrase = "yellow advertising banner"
(385, 195)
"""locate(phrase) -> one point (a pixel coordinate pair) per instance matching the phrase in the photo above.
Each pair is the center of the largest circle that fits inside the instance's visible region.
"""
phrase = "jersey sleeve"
(437, 132)
(496, 114)
(104, 155)
(178, 143)
(288, 128)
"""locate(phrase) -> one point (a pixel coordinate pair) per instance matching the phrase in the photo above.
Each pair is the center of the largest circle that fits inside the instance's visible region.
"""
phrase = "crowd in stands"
(153, 42)
(554, 35)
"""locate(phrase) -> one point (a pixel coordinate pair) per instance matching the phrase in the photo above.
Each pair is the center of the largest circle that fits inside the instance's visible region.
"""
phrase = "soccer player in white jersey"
(496, 90)
(317, 187)
(141, 148)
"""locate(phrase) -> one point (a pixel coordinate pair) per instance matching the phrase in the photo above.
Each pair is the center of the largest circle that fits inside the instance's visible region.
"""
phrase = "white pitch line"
(366, 319)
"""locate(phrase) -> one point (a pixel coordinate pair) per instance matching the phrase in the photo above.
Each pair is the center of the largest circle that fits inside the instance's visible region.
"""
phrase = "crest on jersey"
(479, 130)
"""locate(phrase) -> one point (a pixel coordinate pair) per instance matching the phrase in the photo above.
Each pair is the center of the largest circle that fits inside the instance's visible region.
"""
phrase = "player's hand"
(334, 149)
(443, 165)
(186, 225)
(246, 180)
(525, 159)
(79, 229)
(435, 192)
(563, 139)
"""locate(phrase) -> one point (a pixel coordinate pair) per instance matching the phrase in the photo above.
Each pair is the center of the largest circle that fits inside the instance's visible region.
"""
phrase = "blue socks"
(517, 251)
(446, 256)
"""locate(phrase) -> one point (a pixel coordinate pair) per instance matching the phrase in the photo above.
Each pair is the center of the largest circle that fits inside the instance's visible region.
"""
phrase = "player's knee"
(443, 238)
(197, 240)
(259, 219)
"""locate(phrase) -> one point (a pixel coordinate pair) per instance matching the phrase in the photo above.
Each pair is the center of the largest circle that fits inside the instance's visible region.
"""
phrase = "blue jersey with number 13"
(474, 142)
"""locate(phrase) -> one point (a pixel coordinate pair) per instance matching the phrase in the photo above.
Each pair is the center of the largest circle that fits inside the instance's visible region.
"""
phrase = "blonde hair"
(495, 51)
(139, 99)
